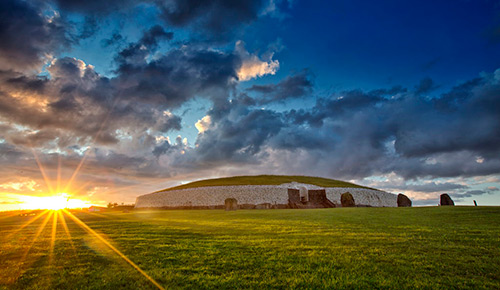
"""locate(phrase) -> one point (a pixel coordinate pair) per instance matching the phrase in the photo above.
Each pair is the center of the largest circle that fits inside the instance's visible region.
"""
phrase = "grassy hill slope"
(266, 180)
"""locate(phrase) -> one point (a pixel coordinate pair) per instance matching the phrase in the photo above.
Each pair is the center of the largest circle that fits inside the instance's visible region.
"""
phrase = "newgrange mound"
(264, 191)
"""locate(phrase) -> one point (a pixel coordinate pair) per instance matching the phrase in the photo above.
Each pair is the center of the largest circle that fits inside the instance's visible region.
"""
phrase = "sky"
(109, 100)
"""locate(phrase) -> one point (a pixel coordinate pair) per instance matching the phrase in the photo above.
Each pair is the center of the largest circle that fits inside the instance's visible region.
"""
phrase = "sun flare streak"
(104, 241)
(42, 171)
(66, 229)
(35, 238)
(53, 237)
(27, 224)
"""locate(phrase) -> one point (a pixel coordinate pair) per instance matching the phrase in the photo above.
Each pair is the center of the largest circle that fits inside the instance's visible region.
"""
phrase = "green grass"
(339, 248)
(266, 180)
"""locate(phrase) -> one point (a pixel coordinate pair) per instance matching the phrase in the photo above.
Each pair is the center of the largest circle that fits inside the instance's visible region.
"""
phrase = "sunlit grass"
(21, 252)
(363, 248)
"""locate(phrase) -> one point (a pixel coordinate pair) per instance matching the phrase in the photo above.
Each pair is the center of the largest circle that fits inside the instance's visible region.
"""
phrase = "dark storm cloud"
(36, 139)
(80, 105)
(295, 86)
(125, 118)
(76, 106)
(238, 136)
(11, 80)
(171, 123)
(177, 76)
(477, 192)
(355, 134)
(433, 187)
(238, 139)
(135, 53)
(94, 7)
(219, 18)
(155, 34)
(212, 19)
(9, 154)
(28, 35)
(293, 138)
(161, 149)
(337, 105)
(472, 125)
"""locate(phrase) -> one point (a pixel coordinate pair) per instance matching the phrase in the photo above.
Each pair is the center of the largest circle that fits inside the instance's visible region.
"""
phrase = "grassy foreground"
(343, 248)
(266, 180)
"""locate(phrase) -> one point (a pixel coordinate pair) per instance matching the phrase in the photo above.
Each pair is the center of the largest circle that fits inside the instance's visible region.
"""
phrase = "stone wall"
(215, 195)
(256, 194)
(363, 196)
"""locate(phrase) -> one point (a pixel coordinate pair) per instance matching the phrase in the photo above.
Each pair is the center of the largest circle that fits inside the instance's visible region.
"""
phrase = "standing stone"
(403, 201)
(347, 200)
(317, 195)
(293, 195)
(231, 204)
(445, 199)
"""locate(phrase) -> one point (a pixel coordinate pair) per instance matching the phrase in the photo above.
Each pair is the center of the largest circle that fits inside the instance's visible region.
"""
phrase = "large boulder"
(231, 204)
(347, 200)
(445, 199)
(316, 195)
(403, 201)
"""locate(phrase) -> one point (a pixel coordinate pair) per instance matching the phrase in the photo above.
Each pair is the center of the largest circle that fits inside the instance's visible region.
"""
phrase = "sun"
(54, 202)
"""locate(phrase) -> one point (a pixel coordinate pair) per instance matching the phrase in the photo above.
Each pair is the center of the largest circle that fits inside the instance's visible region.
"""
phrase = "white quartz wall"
(215, 195)
(363, 196)
(257, 194)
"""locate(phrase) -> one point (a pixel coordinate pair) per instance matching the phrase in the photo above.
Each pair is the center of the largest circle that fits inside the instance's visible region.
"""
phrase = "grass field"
(266, 180)
(345, 248)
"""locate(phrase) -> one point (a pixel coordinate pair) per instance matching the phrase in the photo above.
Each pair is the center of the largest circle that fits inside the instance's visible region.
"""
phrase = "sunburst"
(58, 217)
(55, 207)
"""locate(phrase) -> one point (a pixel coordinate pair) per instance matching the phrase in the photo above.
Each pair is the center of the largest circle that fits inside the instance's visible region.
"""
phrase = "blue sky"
(399, 95)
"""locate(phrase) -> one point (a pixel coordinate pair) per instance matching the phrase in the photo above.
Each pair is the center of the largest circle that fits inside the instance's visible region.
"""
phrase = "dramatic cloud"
(77, 106)
(30, 36)
(216, 17)
(292, 87)
(175, 77)
(356, 134)
(180, 70)
(252, 66)
(94, 7)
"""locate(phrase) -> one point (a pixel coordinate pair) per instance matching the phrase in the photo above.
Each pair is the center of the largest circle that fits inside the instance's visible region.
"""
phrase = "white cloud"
(252, 66)
(20, 186)
(203, 124)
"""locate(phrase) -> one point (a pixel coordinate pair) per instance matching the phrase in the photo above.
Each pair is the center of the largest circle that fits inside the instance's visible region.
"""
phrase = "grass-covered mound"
(266, 180)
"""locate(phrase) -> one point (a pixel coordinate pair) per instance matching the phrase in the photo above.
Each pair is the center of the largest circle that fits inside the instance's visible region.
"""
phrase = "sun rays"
(39, 236)
(66, 230)
(53, 236)
(109, 245)
(55, 207)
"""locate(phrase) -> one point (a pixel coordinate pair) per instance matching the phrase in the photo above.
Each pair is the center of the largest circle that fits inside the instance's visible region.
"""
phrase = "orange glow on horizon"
(54, 202)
